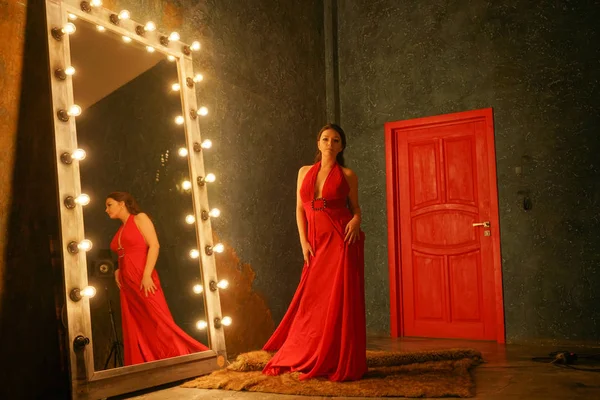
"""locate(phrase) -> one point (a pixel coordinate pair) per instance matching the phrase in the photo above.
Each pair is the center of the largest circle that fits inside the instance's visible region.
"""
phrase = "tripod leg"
(112, 349)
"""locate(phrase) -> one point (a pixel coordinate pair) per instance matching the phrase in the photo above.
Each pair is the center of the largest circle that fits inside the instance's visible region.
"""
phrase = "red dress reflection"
(149, 331)
(323, 333)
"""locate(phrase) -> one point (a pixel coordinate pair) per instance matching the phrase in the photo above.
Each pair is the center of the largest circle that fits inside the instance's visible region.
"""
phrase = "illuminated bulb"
(226, 321)
(124, 14)
(198, 78)
(78, 154)
(150, 26)
(174, 36)
(207, 144)
(82, 199)
(69, 28)
(179, 120)
(176, 87)
(210, 178)
(194, 253)
(88, 291)
(190, 219)
(100, 28)
(215, 212)
(74, 110)
(85, 245)
(183, 152)
(96, 3)
(218, 248)
(195, 46)
(203, 111)
(198, 289)
(186, 185)
(70, 71)
(126, 39)
(72, 17)
(201, 325)
(223, 284)
(150, 49)
(171, 58)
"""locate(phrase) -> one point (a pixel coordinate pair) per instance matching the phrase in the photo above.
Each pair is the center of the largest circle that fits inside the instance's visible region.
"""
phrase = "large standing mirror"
(132, 186)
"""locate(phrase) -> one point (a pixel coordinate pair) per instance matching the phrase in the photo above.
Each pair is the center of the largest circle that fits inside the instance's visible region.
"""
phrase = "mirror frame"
(86, 383)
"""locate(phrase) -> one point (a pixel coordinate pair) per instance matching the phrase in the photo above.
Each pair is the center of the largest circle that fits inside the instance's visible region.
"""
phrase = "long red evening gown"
(323, 333)
(149, 331)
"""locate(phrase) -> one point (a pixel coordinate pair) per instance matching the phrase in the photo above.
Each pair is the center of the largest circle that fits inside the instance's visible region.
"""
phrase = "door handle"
(485, 224)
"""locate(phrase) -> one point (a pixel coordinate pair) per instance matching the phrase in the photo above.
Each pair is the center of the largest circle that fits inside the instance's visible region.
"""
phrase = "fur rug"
(434, 373)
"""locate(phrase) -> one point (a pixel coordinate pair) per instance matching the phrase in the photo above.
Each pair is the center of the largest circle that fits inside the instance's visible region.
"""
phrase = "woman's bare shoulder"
(141, 217)
(348, 173)
(304, 170)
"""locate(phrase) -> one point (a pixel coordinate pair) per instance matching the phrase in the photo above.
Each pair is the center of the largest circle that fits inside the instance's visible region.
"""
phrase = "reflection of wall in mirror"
(132, 143)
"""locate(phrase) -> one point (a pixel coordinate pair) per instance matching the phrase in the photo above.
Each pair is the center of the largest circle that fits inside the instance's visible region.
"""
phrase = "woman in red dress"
(323, 333)
(149, 331)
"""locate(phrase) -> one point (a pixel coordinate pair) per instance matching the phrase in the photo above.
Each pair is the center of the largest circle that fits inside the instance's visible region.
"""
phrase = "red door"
(443, 236)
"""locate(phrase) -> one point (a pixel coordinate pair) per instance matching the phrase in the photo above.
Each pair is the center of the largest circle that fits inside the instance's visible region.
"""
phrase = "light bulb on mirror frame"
(70, 201)
(202, 180)
(183, 152)
(78, 294)
(206, 144)
(214, 213)
(116, 18)
(150, 49)
(217, 248)
(198, 289)
(62, 74)
(171, 58)
(186, 185)
(194, 253)
(100, 28)
(225, 321)
(195, 46)
(76, 155)
(222, 284)
(174, 36)
(72, 17)
(190, 219)
(179, 120)
(198, 78)
(126, 39)
(68, 29)
(175, 87)
(202, 111)
(74, 247)
(96, 3)
(150, 26)
(201, 325)
(73, 111)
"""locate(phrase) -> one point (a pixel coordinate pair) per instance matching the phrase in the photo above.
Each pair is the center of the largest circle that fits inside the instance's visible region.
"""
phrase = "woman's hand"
(352, 231)
(117, 278)
(147, 285)
(307, 252)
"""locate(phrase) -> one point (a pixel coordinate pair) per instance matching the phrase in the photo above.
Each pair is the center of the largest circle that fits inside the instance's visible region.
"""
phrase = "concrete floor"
(508, 373)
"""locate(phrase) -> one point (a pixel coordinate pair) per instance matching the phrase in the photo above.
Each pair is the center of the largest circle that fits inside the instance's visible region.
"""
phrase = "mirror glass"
(132, 141)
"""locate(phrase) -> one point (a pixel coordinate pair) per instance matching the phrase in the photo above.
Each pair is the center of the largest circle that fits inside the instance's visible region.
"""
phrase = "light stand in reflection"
(116, 349)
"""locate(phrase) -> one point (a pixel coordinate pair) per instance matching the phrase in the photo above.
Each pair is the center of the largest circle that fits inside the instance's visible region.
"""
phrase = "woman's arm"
(352, 230)
(307, 250)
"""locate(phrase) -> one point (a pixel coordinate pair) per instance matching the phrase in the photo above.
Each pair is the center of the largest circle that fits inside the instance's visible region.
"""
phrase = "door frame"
(393, 199)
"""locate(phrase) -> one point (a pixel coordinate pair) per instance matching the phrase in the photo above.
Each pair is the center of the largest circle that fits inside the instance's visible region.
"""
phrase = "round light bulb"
(88, 291)
(226, 321)
(176, 87)
(223, 284)
(124, 14)
(190, 219)
(171, 58)
(85, 245)
(203, 111)
(194, 253)
(72, 17)
(78, 154)
(70, 71)
(218, 248)
(150, 26)
(100, 28)
(74, 110)
(186, 185)
(215, 212)
(83, 199)
(201, 325)
(183, 152)
(69, 28)
(150, 49)
(198, 289)
(96, 3)
(174, 36)
(198, 78)
(206, 144)
(195, 46)
(179, 120)
(126, 39)
(210, 177)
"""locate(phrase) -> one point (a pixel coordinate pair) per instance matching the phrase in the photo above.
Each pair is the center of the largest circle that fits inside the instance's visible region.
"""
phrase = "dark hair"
(130, 203)
(340, 131)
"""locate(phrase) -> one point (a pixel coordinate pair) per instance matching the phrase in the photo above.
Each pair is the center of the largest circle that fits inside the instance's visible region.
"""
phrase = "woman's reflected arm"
(146, 227)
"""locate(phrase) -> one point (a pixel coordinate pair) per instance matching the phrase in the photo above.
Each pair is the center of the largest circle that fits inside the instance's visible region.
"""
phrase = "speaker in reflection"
(104, 266)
